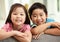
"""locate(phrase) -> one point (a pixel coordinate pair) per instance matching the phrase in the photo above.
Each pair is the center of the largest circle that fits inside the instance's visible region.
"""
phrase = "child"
(41, 24)
(17, 24)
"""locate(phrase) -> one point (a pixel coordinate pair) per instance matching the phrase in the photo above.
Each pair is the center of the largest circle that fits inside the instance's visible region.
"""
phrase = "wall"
(53, 10)
(2, 12)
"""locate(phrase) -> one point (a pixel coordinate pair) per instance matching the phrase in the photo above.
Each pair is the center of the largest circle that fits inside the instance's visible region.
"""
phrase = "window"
(58, 5)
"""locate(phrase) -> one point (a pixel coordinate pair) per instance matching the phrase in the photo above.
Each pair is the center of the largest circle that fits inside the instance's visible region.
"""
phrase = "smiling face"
(38, 16)
(18, 16)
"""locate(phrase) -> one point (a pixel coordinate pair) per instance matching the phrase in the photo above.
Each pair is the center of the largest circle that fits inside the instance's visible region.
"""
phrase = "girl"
(41, 24)
(17, 24)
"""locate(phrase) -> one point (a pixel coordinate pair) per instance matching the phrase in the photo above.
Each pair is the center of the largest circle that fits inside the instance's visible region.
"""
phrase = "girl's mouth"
(18, 20)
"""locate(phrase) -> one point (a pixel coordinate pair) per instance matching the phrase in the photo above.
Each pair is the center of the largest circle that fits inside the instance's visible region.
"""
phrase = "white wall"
(2, 12)
(53, 10)
(50, 4)
(33, 1)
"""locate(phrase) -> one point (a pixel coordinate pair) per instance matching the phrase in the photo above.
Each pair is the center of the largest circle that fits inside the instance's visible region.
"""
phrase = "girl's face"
(38, 16)
(18, 16)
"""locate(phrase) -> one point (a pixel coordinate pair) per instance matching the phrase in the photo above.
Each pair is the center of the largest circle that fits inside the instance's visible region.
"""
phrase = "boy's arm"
(40, 28)
(43, 27)
(52, 31)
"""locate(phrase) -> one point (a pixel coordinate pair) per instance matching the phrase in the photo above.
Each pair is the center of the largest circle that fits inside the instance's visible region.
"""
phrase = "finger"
(34, 36)
(37, 36)
(40, 35)
(58, 25)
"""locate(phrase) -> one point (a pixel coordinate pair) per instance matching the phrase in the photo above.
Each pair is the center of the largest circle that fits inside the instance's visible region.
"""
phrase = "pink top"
(8, 27)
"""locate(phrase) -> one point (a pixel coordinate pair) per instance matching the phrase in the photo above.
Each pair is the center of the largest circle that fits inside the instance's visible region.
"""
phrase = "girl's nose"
(18, 16)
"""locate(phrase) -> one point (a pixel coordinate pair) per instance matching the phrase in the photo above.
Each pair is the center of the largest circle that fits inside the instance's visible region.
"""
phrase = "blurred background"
(53, 7)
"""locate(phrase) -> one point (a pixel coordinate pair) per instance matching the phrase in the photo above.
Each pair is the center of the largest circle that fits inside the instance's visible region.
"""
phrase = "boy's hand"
(55, 24)
(37, 36)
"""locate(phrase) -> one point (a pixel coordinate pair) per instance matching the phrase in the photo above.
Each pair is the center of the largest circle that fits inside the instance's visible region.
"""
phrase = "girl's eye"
(15, 14)
(21, 14)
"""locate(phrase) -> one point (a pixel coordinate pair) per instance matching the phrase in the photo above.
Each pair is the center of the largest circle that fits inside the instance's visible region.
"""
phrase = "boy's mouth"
(39, 22)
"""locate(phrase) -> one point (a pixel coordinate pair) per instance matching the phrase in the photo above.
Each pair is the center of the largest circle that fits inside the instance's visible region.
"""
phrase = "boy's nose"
(38, 18)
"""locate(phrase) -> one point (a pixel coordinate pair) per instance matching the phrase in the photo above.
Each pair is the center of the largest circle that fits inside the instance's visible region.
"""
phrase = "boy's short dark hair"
(37, 5)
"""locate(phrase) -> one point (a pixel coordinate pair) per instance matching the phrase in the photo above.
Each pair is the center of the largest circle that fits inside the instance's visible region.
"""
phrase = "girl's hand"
(55, 24)
(17, 33)
(22, 39)
(37, 36)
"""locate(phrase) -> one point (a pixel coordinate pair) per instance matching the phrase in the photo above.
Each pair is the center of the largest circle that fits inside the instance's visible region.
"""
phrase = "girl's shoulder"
(27, 26)
(7, 27)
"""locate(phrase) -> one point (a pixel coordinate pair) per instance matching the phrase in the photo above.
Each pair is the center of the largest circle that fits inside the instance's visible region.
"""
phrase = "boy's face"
(18, 16)
(38, 16)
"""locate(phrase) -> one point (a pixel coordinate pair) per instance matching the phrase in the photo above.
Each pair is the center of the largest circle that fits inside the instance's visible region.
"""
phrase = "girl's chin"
(18, 23)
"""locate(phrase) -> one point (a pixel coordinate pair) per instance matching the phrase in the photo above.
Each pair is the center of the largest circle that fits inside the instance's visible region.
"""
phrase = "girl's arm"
(4, 34)
(29, 35)
(25, 38)
(53, 31)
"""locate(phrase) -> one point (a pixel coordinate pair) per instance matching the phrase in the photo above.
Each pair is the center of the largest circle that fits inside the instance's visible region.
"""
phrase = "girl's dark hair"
(14, 6)
(37, 5)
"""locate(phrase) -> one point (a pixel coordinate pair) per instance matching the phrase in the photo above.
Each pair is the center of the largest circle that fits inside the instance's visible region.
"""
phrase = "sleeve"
(33, 26)
(5, 27)
(28, 28)
(50, 20)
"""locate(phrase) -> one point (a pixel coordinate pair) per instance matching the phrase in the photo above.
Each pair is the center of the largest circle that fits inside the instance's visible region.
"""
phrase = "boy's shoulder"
(50, 20)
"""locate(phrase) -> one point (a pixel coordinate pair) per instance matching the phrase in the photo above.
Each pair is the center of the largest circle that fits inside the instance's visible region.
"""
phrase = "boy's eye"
(34, 15)
(41, 15)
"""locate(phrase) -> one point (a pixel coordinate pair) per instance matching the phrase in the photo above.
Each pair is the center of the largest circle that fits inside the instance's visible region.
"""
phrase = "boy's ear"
(46, 15)
(31, 17)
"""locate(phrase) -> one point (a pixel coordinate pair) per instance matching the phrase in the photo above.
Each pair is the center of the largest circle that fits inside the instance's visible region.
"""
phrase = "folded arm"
(24, 38)
(4, 34)
(53, 31)
(43, 27)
